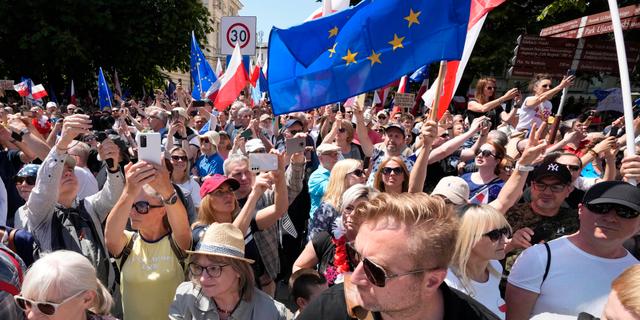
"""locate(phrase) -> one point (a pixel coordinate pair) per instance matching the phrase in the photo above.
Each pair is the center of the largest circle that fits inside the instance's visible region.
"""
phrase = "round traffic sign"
(238, 32)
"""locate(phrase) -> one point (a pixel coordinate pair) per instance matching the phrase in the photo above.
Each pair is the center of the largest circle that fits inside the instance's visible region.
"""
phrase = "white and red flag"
(219, 69)
(228, 87)
(22, 88)
(38, 91)
(328, 7)
(72, 97)
(455, 69)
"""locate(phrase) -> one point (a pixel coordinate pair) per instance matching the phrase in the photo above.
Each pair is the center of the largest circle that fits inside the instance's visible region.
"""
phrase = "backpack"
(5, 285)
(180, 254)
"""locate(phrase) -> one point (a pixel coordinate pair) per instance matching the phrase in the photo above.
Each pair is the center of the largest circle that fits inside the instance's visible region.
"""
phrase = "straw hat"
(222, 240)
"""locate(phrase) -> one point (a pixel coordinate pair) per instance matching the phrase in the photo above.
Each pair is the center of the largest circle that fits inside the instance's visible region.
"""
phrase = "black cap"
(617, 192)
(394, 126)
(552, 169)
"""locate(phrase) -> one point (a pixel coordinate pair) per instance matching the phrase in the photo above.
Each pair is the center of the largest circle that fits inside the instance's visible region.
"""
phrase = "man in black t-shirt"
(401, 252)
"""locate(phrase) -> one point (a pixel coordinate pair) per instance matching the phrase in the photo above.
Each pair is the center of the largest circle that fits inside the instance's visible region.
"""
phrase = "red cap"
(214, 182)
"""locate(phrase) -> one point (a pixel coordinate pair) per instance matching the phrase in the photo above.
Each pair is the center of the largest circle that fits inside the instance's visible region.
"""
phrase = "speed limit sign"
(241, 30)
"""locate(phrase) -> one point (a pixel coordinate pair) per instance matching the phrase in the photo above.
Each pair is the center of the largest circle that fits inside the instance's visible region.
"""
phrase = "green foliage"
(56, 41)
(561, 6)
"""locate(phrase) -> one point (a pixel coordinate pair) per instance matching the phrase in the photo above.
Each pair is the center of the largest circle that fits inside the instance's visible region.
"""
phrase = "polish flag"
(255, 73)
(228, 87)
(38, 92)
(481, 197)
(455, 68)
(402, 87)
(73, 98)
(219, 69)
(328, 7)
(423, 88)
(22, 88)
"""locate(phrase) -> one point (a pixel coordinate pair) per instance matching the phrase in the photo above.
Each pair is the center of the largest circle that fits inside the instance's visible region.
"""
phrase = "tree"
(56, 41)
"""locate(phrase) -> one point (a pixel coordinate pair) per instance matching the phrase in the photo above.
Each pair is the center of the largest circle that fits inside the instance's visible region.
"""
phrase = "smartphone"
(198, 103)
(247, 134)
(149, 147)
(486, 123)
(175, 115)
(295, 145)
(542, 232)
(262, 162)
(613, 132)
(571, 72)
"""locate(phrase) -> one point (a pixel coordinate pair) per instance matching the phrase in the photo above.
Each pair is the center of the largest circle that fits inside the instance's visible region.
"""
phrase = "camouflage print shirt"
(521, 215)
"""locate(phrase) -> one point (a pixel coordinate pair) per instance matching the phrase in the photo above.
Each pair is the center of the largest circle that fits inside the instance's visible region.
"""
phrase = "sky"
(279, 13)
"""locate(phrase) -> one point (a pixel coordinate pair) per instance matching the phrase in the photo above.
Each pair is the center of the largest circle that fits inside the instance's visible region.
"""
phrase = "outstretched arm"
(419, 172)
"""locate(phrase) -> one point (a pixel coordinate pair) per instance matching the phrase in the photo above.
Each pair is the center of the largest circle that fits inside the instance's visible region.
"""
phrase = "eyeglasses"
(204, 141)
(349, 112)
(342, 130)
(179, 158)
(46, 308)
(143, 207)
(213, 271)
(554, 187)
(546, 86)
(621, 211)
(375, 273)
(388, 170)
(294, 132)
(382, 117)
(490, 88)
(358, 172)
(497, 234)
(508, 169)
(31, 180)
(572, 167)
(485, 153)
(221, 192)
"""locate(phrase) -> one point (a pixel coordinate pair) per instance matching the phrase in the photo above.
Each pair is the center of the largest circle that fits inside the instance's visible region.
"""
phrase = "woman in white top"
(481, 242)
(180, 175)
(537, 108)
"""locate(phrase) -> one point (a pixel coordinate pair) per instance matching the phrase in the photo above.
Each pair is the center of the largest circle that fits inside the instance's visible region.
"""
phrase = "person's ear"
(434, 279)
(301, 302)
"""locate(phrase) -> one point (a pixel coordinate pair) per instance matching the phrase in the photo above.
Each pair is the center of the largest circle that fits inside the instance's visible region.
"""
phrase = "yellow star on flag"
(396, 42)
(350, 57)
(332, 51)
(374, 57)
(333, 32)
(413, 17)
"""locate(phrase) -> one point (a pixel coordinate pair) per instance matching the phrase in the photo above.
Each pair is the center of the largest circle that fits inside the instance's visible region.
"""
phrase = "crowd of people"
(347, 211)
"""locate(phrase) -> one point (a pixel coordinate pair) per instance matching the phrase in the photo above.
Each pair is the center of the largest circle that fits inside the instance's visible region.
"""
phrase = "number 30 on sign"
(238, 29)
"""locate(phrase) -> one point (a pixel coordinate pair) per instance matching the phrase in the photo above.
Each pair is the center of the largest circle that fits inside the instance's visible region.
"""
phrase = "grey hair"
(355, 192)
(499, 137)
(82, 149)
(245, 109)
(233, 158)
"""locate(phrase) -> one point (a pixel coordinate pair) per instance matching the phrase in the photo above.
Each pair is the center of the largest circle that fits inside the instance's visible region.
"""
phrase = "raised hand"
(137, 175)
(429, 131)
(73, 126)
(535, 145)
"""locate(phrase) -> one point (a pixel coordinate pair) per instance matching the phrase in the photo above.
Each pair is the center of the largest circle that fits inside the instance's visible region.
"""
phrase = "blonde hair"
(626, 287)
(207, 213)
(378, 183)
(432, 226)
(475, 221)
(356, 192)
(246, 280)
(61, 274)
(337, 184)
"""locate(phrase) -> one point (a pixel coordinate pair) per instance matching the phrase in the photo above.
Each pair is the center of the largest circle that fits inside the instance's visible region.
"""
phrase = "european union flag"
(361, 49)
(420, 74)
(202, 75)
(104, 93)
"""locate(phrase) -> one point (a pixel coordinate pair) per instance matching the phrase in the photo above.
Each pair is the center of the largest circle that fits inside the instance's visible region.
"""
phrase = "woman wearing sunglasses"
(485, 184)
(537, 108)
(345, 173)
(392, 176)
(63, 285)
(25, 180)
(327, 249)
(341, 134)
(151, 258)
(475, 269)
(485, 102)
(222, 282)
(180, 168)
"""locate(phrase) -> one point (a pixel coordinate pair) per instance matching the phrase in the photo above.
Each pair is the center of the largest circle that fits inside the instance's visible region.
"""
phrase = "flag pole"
(436, 100)
(624, 80)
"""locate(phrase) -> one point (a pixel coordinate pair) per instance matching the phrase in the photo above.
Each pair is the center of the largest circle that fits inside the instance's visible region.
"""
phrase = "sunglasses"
(388, 170)
(46, 308)
(358, 172)
(382, 117)
(485, 153)
(497, 234)
(546, 86)
(375, 274)
(572, 167)
(143, 207)
(179, 158)
(554, 187)
(621, 211)
(31, 180)
(213, 271)
(490, 88)
(342, 130)
(204, 141)
(294, 132)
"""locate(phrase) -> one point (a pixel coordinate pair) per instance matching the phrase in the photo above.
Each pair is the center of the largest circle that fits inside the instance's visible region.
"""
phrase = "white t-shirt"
(191, 188)
(87, 183)
(584, 184)
(577, 281)
(527, 116)
(487, 293)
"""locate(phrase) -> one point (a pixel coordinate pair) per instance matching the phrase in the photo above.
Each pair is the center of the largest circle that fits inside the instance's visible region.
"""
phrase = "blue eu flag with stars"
(202, 76)
(361, 49)
(104, 93)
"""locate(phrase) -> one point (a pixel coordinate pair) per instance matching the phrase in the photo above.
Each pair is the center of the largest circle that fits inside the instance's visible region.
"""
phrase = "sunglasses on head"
(485, 153)
(358, 172)
(178, 158)
(31, 180)
(621, 211)
(497, 234)
(389, 170)
(143, 207)
(376, 274)
(46, 308)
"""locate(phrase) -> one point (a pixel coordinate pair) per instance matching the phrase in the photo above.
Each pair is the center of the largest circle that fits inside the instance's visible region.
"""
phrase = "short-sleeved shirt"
(483, 193)
(209, 165)
(534, 114)
(318, 181)
(323, 219)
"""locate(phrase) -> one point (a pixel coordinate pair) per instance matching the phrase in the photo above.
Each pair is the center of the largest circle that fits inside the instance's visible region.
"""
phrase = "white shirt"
(527, 116)
(191, 188)
(577, 281)
(87, 183)
(487, 293)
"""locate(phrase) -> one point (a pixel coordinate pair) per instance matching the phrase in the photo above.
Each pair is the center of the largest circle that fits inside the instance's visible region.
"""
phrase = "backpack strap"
(6, 286)
(546, 269)
(126, 251)
(180, 254)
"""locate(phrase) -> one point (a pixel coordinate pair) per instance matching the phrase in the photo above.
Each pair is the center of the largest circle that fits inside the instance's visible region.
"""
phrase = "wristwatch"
(524, 168)
(172, 200)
